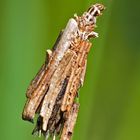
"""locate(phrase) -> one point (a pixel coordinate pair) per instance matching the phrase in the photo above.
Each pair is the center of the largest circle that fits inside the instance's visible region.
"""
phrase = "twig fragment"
(70, 122)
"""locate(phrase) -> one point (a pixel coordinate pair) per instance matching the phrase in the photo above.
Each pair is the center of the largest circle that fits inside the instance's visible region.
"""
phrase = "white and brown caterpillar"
(51, 94)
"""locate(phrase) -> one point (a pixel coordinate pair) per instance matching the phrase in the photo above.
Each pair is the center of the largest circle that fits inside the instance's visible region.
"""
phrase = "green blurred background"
(110, 98)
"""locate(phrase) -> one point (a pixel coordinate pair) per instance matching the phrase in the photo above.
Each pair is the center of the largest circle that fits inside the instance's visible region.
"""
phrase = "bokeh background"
(110, 98)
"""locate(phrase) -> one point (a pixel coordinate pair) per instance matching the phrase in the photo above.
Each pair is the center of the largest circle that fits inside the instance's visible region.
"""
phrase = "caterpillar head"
(91, 14)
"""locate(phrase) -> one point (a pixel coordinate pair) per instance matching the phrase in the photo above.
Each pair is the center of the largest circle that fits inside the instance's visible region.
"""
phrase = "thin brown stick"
(70, 122)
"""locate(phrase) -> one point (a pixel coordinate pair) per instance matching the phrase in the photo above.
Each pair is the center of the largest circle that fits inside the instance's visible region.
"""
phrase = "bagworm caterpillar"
(52, 93)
